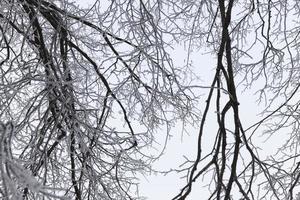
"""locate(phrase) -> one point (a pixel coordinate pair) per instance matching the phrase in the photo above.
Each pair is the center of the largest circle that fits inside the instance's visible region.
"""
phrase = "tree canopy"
(84, 92)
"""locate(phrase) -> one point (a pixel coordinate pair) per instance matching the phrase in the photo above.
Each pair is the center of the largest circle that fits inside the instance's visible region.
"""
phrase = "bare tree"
(82, 92)
(254, 43)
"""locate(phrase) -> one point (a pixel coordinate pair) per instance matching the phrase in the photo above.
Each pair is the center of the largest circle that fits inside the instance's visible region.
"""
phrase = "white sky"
(166, 187)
